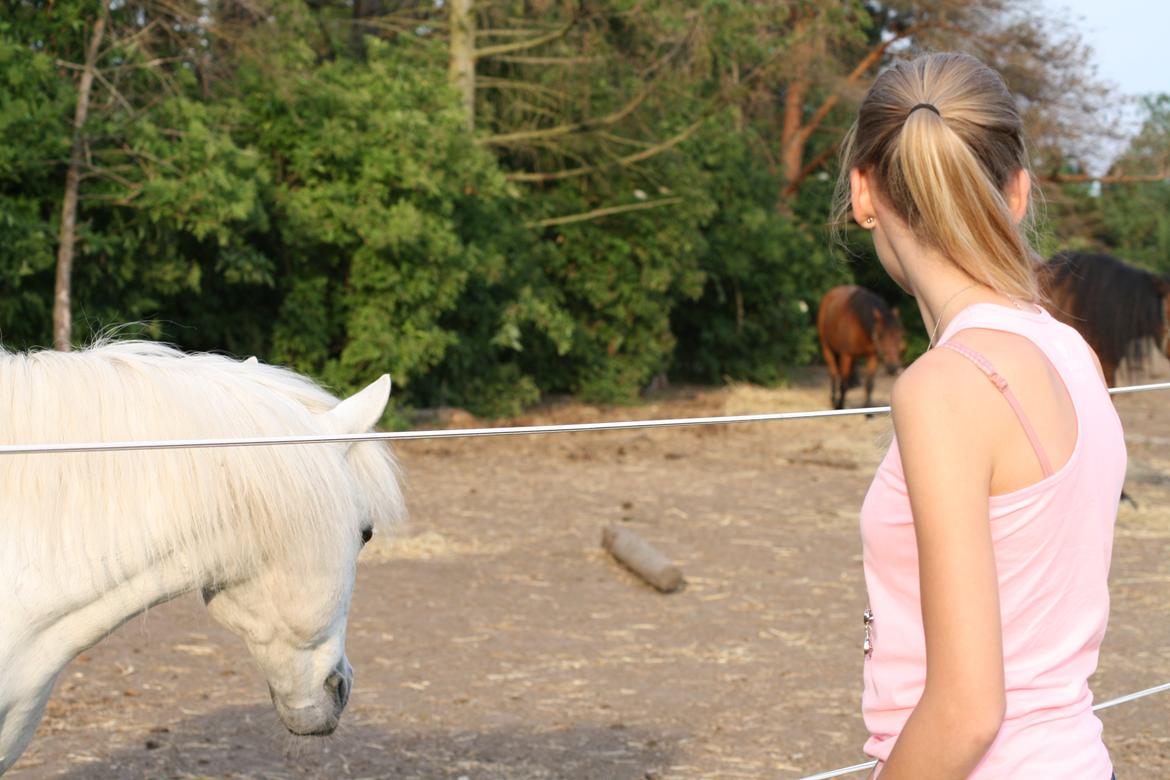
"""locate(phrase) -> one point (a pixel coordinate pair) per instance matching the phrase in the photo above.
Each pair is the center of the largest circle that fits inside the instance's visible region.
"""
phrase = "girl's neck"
(942, 290)
(940, 287)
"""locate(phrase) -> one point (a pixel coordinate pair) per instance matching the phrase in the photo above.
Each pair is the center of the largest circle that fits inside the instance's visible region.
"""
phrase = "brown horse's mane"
(862, 303)
(1118, 308)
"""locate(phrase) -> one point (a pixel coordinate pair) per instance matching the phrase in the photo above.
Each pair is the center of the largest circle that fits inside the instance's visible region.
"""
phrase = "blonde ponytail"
(942, 138)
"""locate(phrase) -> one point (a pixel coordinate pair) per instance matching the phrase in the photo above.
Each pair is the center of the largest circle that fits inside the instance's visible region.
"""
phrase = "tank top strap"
(984, 365)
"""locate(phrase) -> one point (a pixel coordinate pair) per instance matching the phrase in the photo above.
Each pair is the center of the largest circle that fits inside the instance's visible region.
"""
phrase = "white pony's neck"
(40, 633)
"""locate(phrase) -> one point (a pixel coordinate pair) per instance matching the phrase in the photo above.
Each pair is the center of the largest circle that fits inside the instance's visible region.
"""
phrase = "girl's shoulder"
(944, 386)
(942, 374)
(936, 392)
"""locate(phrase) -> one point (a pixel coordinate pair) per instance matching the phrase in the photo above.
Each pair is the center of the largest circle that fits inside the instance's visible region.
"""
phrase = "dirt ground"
(495, 640)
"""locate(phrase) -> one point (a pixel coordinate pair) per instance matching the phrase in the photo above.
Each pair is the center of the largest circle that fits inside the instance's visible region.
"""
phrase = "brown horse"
(1120, 310)
(855, 323)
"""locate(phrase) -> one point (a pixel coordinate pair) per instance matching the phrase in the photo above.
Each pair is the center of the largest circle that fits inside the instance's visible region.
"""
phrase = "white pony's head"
(292, 612)
(270, 534)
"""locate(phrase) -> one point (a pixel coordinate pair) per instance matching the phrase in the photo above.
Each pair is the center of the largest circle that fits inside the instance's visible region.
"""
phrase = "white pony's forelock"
(116, 512)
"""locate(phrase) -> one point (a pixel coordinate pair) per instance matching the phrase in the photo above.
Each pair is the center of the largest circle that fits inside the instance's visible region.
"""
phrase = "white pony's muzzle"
(321, 717)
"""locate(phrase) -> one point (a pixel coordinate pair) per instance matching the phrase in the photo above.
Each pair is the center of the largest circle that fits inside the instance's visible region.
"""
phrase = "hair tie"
(923, 105)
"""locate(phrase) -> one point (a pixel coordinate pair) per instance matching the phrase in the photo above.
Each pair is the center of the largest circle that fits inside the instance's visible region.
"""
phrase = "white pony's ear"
(252, 361)
(359, 412)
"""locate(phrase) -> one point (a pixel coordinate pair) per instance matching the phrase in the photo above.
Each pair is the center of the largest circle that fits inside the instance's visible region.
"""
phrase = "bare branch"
(570, 173)
(114, 93)
(148, 64)
(868, 61)
(603, 212)
(531, 43)
(621, 139)
(110, 175)
(393, 20)
(117, 200)
(532, 109)
(548, 60)
(129, 41)
(561, 130)
(1074, 178)
(489, 82)
(507, 32)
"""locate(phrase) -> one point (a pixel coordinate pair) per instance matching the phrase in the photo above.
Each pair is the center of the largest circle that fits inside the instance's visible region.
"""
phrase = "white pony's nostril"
(338, 686)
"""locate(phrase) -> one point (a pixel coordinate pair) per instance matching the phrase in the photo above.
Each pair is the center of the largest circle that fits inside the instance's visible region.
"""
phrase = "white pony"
(269, 534)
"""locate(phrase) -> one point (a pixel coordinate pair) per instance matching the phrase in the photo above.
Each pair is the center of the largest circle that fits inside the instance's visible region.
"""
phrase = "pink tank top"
(1053, 541)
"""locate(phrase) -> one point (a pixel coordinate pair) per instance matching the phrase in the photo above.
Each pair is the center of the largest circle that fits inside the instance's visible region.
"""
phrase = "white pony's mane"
(117, 512)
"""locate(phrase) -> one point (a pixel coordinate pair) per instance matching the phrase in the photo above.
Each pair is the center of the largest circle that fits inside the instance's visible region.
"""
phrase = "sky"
(1131, 48)
(1130, 38)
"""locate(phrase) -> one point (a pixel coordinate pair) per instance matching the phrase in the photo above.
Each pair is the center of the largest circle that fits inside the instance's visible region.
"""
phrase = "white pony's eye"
(367, 535)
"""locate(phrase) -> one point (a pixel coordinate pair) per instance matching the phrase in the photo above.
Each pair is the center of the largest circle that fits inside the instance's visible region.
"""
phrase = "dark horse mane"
(1118, 307)
(862, 302)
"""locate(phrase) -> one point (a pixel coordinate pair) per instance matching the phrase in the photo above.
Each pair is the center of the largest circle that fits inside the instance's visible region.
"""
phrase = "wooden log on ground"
(636, 554)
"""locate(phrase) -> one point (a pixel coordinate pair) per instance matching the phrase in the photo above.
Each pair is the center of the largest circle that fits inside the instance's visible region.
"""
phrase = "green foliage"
(765, 274)
(509, 317)
(1138, 223)
(1129, 215)
(33, 141)
(1136, 216)
(620, 277)
(374, 167)
(154, 234)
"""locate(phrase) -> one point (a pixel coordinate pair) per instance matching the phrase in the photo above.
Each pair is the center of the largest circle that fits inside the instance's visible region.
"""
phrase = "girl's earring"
(869, 220)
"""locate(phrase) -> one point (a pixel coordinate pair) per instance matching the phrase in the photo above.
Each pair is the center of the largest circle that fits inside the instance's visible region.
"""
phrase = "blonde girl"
(987, 530)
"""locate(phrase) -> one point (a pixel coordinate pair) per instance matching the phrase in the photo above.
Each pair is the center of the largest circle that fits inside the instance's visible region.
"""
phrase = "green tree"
(1135, 198)
(131, 172)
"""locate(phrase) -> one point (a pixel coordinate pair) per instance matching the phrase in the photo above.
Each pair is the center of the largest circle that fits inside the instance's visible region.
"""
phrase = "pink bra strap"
(1002, 385)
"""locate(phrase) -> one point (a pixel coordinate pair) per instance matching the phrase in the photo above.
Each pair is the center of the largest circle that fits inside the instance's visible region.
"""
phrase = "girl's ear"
(861, 199)
(1018, 192)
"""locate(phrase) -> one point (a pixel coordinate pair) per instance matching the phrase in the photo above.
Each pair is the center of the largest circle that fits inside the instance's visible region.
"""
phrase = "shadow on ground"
(245, 743)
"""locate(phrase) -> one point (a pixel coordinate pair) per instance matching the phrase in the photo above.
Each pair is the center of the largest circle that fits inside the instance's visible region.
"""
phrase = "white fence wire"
(458, 433)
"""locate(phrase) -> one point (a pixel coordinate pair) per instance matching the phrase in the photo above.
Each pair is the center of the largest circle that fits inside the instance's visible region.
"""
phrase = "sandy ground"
(495, 640)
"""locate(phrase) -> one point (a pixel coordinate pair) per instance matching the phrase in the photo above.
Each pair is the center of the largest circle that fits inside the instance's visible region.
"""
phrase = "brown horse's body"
(855, 325)
(1119, 310)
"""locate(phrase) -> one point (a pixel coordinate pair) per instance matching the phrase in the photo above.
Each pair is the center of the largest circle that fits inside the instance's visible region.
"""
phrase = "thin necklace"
(942, 313)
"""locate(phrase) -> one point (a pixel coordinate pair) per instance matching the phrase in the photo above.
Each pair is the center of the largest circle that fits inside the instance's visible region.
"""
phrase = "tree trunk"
(791, 143)
(362, 11)
(796, 93)
(67, 239)
(462, 66)
(797, 131)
